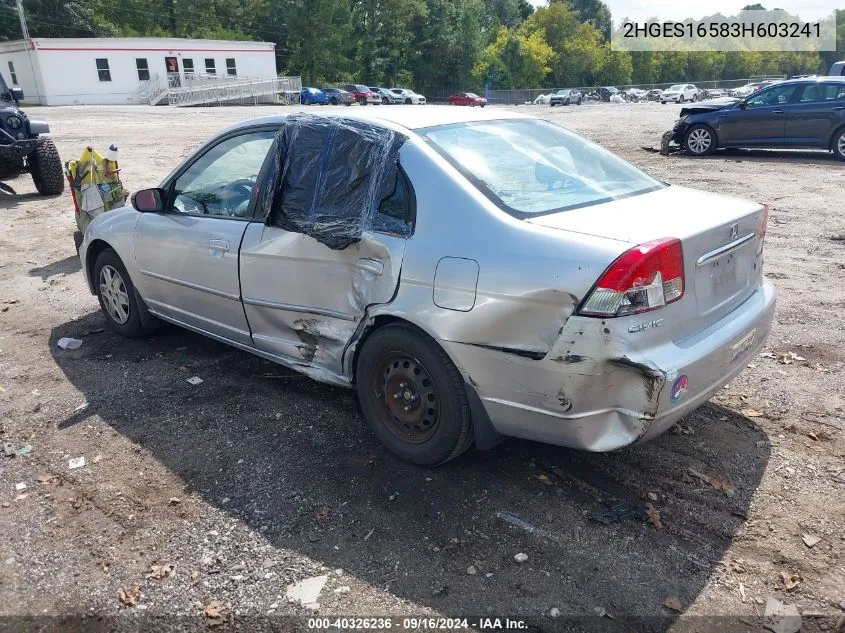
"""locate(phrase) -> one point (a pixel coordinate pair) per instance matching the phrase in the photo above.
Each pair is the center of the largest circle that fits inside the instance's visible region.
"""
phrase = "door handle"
(371, 265)
(839, 108)
(218, 245)
(777, 111)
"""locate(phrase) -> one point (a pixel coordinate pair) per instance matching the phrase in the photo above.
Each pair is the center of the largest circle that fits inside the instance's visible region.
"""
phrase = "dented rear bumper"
(597, 390)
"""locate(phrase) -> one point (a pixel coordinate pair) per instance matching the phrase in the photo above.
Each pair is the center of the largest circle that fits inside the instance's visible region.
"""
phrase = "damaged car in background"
(796, 114)
(471, 274)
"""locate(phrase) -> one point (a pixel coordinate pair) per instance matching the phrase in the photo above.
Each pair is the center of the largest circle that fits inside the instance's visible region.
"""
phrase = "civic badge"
(734, 231)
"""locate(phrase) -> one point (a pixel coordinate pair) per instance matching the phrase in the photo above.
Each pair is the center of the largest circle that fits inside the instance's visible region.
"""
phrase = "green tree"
(514, 60)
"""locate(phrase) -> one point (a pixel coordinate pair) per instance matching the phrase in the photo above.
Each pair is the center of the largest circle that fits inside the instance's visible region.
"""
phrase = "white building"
(118, 71)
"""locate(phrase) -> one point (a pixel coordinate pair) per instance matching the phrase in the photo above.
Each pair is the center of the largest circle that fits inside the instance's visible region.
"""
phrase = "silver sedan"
(472, 274)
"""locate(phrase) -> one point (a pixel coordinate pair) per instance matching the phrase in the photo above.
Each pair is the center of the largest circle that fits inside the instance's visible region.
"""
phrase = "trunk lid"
(720, 269)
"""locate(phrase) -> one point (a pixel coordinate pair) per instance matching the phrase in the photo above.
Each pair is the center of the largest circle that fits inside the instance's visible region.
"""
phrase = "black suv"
(24, 149)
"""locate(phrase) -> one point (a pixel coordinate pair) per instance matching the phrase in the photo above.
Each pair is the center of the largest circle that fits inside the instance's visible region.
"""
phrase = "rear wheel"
(838, 145)
(700, 140)
(119, 302)
(46, 168)
(333, 100)
(413, 396)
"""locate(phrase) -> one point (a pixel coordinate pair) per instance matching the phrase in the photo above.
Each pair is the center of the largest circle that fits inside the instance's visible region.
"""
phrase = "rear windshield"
(530, 167)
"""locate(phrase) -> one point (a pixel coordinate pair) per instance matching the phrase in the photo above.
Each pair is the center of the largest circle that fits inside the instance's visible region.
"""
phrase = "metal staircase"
(194, 90)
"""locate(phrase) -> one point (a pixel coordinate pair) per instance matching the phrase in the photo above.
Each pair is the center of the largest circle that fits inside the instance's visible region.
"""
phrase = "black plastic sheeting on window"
(329, 177)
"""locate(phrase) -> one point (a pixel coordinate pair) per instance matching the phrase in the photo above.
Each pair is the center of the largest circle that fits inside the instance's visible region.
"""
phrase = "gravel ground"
(259, 478)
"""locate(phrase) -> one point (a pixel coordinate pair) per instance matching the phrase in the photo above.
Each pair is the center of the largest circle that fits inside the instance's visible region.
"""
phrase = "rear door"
(188, 255)
(817, 112)
(763, 121)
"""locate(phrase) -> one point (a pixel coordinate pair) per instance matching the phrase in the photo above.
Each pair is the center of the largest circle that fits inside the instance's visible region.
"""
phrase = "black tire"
(333, 100)
(362, 101)
(837, 143)
(385, 101)
(408, 101)
(443, 428)
(578, 102)
(566, 103)
(134, 326)
(663, 102)
(46, 168)
(681, 99)
(306, 101)
(699, 132)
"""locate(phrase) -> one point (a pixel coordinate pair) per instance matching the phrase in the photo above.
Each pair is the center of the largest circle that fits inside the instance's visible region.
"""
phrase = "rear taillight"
(763, 229)
(644, 278)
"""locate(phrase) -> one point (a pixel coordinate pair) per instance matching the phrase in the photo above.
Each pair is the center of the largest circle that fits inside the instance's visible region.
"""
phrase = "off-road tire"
(46, 168)
(699, 128)
(11, 167)
(837, 144)
(134, 326)
(453, 431)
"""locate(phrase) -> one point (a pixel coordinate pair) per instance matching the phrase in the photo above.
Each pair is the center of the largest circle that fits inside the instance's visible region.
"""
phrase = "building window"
(230, 66)
(209, 67)
(103, 69)
(14, 75)
(188, 65)
(143, 69)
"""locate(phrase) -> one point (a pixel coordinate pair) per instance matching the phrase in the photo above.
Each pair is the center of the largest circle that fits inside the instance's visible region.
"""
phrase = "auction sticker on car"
(739, 348)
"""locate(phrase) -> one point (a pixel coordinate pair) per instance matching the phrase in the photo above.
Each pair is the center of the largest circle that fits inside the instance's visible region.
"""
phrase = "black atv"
(24, 149)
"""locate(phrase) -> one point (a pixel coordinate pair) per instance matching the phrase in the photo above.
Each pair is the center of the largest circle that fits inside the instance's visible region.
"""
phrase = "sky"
(679, 9)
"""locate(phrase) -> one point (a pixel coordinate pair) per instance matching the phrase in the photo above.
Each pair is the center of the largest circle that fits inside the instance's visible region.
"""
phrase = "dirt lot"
(258, 478)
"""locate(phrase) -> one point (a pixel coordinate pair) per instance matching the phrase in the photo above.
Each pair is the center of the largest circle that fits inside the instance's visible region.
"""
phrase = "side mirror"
(149, 200)
(742, 104)
(17, 94)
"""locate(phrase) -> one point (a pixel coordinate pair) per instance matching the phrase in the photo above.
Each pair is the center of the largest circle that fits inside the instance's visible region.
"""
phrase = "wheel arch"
(485, 434)
(835, 135)
(93, 251)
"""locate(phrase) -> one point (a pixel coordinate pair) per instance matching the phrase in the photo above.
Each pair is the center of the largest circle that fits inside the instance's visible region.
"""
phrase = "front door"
(304, 300)
(172, 65)
(188, 255)
(761, 124)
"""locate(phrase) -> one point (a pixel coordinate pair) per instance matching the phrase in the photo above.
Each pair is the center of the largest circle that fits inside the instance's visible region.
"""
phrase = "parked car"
(679, 93)
(799, 114)
(606, 92)
(568, 302)
(362, 94)
(24, 146)
(837, 69)
(409, 96)
(565, 97)
(313, 95)
(467, 99)
(653, 94)
(337, 96)
(542, 99)
(388, 97)
(715, 93)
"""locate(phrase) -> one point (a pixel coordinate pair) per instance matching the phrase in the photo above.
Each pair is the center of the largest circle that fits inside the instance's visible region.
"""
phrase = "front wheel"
(681, 99)
(333, 100)
(700, 140)
(578, 102)
(119, 302)
(362, 101)
(566, 103)
(306, 101)
(385, 101)
(408, 102)
(413, 396)
(838, 144)
(46, 168)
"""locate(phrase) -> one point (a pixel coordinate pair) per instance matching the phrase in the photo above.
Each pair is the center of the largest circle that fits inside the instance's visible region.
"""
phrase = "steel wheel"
(114, 293)
(410, 407)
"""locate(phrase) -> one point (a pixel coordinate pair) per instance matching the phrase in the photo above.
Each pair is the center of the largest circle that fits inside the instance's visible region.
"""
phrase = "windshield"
(530, 167)
(677, 88)
(473, 95)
